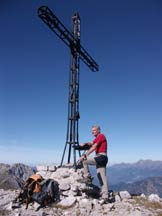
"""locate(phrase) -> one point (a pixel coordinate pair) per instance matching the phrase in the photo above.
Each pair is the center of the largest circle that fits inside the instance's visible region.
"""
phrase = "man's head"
(96, 130)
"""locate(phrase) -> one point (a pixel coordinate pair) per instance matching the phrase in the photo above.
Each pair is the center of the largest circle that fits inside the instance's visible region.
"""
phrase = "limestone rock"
(42, 168)
(154, 198)
(64, 186)
(67, 202)
(52, 168)
(124, 195)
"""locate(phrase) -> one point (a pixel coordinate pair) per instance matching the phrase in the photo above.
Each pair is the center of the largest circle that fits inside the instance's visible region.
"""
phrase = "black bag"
(49, 192)
(101, 161)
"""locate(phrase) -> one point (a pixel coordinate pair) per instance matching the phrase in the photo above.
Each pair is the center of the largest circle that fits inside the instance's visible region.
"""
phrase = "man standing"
(99, 145)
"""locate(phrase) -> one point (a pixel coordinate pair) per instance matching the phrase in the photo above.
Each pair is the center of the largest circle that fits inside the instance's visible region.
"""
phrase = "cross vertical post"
(72, 136)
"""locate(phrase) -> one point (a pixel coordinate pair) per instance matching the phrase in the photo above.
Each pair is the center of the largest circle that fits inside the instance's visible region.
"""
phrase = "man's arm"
(87, 143)
(84, 156)
(93, 147)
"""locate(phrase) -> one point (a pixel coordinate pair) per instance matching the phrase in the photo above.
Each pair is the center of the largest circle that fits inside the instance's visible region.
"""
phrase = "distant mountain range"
(146, 186)
(144, 176)
(132, 172)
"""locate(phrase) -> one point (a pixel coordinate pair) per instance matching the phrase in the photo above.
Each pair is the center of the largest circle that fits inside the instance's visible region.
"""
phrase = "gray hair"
(96, 126)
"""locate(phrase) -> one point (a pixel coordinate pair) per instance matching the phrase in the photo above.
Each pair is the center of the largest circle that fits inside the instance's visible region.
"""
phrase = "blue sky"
(124, 97)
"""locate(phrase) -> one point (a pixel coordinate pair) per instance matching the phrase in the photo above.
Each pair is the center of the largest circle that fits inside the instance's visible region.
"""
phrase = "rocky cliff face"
(12, 176)
(79, 198)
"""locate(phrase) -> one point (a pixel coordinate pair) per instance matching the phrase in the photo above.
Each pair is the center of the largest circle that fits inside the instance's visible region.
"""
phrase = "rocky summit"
(81, 198)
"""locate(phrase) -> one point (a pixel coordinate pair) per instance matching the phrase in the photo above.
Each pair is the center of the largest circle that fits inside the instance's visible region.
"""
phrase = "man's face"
(95, 131)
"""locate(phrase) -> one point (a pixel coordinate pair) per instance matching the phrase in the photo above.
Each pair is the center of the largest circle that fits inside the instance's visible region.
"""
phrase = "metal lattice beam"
(65, 35)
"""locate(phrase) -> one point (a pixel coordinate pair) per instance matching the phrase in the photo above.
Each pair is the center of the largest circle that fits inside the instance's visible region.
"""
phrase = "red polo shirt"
(101, 142)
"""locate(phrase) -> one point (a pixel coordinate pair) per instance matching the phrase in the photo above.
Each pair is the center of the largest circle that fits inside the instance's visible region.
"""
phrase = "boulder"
(154, 198)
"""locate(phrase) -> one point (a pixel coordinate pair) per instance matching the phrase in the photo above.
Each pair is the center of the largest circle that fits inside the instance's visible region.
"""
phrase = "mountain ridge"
(132, 172)
(140, 163)
(146, 186)
(12, 176)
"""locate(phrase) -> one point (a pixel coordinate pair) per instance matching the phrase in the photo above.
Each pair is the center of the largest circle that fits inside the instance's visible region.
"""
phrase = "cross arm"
(66, 36)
